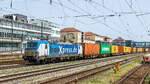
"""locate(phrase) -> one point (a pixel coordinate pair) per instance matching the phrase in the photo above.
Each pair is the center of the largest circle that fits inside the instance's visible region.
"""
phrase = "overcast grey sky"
(113, 18)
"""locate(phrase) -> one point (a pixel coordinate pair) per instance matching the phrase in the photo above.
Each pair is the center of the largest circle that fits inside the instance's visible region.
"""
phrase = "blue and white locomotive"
(39, 51)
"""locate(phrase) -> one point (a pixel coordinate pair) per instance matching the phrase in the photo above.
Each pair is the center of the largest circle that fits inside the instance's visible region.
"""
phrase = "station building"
(74, 35)
(15, 31)
(70, 34)
(90, 37)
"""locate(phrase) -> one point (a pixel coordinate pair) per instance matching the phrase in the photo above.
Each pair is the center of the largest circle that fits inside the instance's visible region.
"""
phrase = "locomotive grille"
(29, 52)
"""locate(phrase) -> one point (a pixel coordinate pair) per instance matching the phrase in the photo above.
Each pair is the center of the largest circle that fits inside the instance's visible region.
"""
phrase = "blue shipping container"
(63, 49)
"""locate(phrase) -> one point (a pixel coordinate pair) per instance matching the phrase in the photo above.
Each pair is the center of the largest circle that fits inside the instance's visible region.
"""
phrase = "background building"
(119, 41)
(15, 33)
(107, 39)
(75, 36)
(90, 37)
(17, 17)
(71, 35)
(43, 23)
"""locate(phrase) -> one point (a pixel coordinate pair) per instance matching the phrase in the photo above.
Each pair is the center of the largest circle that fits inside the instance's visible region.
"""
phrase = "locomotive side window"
(31, 44)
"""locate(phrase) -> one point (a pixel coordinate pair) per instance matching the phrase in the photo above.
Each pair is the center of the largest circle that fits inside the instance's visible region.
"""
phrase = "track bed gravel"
(135, 76)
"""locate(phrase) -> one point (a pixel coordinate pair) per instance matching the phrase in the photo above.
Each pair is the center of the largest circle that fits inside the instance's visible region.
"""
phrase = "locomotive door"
(46, 50)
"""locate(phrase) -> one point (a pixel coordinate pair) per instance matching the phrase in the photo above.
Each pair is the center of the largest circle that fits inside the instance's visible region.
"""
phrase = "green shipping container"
(105, 49)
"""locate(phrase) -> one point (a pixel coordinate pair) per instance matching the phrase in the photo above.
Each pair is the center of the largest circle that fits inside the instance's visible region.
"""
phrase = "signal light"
(146, 58)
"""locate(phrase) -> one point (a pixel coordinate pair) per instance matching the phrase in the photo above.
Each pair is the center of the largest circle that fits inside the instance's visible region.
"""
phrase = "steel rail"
(20, 75)
(132, 72)
(143, 79)
(76, 76)
(11, 65)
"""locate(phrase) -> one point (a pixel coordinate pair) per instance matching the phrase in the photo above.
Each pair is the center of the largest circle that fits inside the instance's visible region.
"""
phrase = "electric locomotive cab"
(36, 51)
(31, 52)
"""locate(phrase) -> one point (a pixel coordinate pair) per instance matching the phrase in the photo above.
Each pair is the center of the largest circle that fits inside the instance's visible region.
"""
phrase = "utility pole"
(42, 30)
(131, 3)
(21, 42)
(12, 36)
(82, 37)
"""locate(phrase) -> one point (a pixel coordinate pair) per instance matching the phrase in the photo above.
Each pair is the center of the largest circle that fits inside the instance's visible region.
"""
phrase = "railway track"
(26, 74)
(10, 62)
(10, 55)
(21, 61)
(10, 65)
(135, 76)
(8, 59)
(73, 78)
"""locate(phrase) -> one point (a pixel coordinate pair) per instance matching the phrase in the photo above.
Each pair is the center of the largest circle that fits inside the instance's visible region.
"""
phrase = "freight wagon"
(142, 50)
(139, 50)
(146, 49)
(105, 49)
(121, 50)
(129, 50)
(114, 50)
(125, 50)
(133, 50)
(91, 50)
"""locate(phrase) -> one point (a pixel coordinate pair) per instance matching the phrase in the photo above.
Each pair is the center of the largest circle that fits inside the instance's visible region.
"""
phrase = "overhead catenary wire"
(64, 19)
(126, 24)
(98, 20)
(11, 4)
(86, 14)
(50, 2)
(143, 24)
(26, 5)
(135, 14)
(116, 14)
(140, 15)
(110, 15)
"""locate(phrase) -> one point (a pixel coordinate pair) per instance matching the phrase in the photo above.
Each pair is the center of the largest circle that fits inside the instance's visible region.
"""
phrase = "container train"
(40, 51)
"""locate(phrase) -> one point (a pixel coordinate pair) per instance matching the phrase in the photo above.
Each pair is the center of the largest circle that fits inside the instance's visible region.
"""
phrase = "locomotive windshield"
(31, 44)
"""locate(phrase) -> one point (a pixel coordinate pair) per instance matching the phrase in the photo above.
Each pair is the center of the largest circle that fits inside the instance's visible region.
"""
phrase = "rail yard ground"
(8, 58)
(17, 61)
(139, 72)
(56, 73)
(147, 81)
(135, 76)
(64, 63)
(109, 76)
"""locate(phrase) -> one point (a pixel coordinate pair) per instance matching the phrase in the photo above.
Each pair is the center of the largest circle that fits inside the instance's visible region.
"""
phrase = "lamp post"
(21, 42)
(12, 36)
(41, 30)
